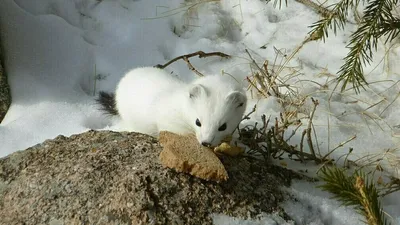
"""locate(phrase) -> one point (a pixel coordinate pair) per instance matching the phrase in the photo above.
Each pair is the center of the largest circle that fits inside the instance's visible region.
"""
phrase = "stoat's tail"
(108, 103)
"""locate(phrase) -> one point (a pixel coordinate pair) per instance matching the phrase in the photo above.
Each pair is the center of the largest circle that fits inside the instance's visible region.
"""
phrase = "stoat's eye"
(222, 128)
(198, 123)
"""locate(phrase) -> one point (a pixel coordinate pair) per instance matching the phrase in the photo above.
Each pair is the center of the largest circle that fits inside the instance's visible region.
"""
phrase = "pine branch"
(337, 183)
(336, 20)
(363, 40)
(390, 28)
(355, 191)
(280, 3)
(377, 21)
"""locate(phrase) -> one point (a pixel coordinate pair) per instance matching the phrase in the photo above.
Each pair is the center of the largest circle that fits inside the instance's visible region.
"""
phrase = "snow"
(59, 54)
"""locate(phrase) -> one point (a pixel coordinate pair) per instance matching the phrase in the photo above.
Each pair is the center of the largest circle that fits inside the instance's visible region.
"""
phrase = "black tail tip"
(107, 103)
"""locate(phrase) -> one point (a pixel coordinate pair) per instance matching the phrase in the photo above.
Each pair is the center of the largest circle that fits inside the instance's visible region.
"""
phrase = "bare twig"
(200, 54)
(392, 186)
(309, 140)
(339, 145)
(191, 67)
(302, 140)
(247, 116)
(293, 132)
(271, 142)
(346, 159)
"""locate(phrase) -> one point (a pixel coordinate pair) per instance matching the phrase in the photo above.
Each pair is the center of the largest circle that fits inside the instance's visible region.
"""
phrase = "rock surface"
(5, 95)
(104, 177)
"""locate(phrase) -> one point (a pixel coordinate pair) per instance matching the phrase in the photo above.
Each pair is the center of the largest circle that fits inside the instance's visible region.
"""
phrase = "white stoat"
(150, 100)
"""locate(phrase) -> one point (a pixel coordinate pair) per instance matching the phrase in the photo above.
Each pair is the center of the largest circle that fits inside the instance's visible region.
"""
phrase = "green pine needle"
(280, 3)
(335, 21)
(377, 21)
(355, 190)
(362, 41)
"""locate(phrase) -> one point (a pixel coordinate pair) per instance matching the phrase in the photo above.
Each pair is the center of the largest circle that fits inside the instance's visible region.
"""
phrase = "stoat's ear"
(196, 91)
(237, 98)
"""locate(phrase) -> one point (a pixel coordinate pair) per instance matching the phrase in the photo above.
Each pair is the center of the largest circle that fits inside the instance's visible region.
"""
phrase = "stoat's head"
(215, 114)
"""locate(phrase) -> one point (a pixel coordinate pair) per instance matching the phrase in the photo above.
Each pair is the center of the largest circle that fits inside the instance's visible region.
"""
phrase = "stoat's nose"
(205, 144)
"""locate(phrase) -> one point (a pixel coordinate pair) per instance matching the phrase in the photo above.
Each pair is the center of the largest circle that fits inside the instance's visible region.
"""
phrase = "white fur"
(150, 100)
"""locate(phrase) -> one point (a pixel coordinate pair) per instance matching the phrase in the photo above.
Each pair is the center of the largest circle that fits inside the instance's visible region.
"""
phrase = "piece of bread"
(226, 149)
(185, 154)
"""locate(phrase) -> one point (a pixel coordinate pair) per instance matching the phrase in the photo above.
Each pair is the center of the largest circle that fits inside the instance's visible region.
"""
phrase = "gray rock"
(104, 177)
(5, 95)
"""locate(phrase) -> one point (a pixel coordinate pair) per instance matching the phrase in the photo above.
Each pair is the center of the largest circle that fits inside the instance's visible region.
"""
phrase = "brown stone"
(103, 177)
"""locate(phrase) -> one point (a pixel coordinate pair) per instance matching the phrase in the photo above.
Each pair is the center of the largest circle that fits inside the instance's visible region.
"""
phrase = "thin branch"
(191, 67)
(309, 140)
(247, 116)
(339, 145)
(200, 54)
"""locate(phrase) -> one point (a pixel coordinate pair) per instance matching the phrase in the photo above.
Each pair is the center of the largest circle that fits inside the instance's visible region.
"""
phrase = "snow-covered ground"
(59, 54)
